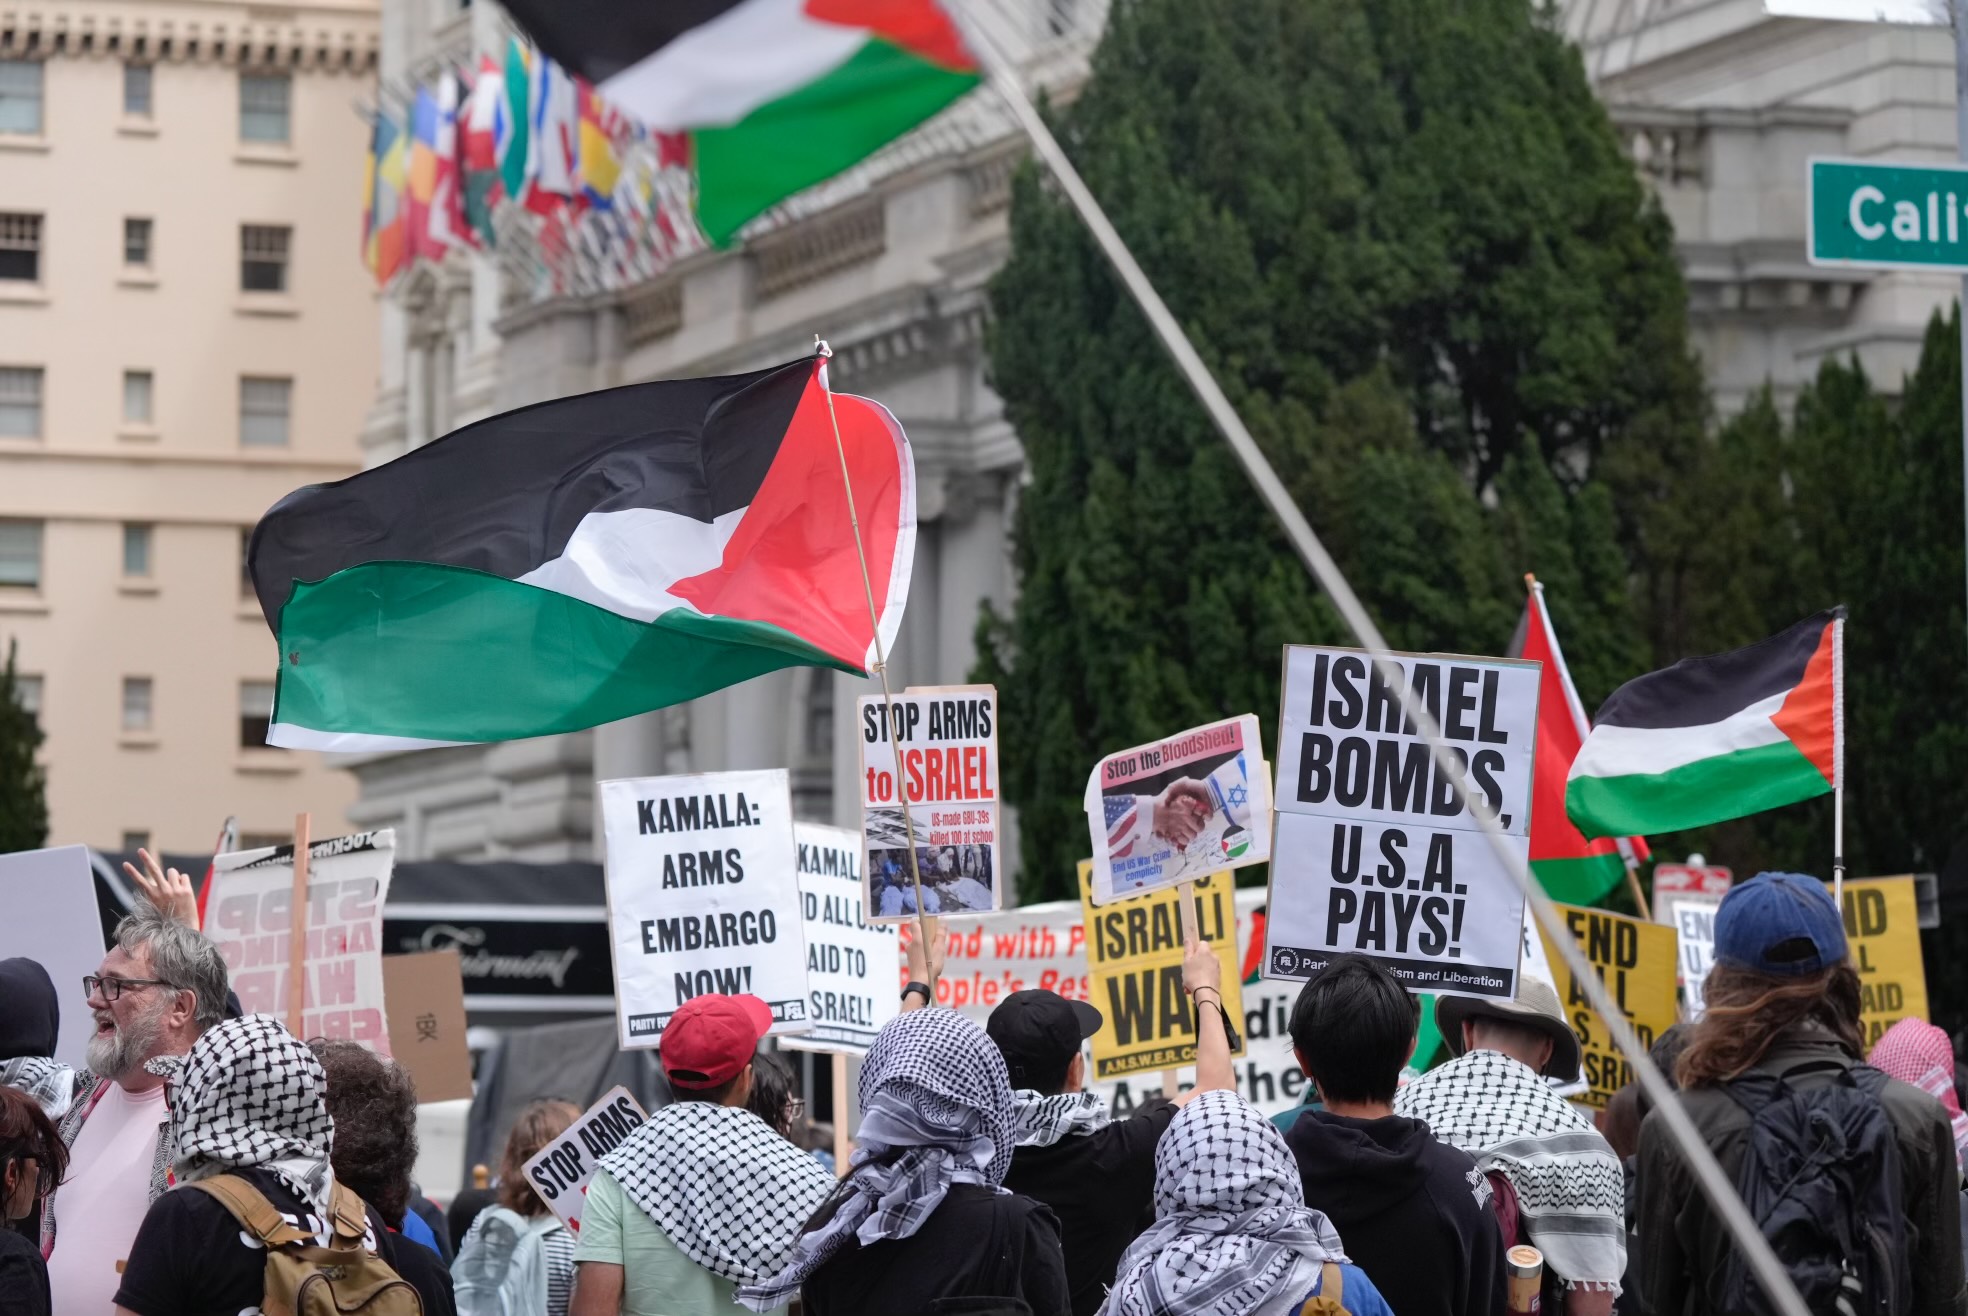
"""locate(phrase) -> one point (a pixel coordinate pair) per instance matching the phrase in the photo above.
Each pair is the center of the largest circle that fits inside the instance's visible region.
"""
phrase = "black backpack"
(1821, 1177)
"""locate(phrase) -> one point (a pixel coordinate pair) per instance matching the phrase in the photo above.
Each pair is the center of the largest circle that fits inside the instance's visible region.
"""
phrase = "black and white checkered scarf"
(722, 1185)
(1232, 1232)
(936, 1110)
(49, 1082)
(1571, 1192)
(1043, 1121)
(249, 1095)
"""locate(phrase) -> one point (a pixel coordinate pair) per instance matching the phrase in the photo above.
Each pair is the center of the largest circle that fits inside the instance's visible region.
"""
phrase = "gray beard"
(118, 1055)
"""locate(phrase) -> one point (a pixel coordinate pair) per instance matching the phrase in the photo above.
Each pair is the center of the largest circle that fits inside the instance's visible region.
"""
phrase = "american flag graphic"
(1123, 824)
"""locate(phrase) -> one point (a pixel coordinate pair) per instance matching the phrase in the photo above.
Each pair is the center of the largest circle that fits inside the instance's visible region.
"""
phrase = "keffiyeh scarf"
(1232, 1232)
(936, 1110)
(1916, 1052)
(723, 1186)
(249, 1096)
(49, 1082)
(1571, 1192)
(1043, 1121)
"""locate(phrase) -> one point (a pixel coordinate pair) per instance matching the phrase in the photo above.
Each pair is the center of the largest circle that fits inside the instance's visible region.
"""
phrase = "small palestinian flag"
(1710, 739)
(583, 560)
(776, 95)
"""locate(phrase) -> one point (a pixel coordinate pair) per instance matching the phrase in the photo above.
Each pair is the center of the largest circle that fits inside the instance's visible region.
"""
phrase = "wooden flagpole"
(297, 928)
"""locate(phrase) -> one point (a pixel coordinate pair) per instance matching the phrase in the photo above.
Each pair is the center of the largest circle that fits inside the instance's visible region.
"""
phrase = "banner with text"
(1375, 854)
(703, 896)
(562, 1170)
(849, 961)
(250, 912)
(1882, 923)
(942, 751)
(1636, 961)
(1193, 804)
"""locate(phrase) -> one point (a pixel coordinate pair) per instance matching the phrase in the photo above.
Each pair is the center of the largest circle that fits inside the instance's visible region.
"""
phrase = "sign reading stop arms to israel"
(1636, 961)
(1134, 973)
(1882, 926)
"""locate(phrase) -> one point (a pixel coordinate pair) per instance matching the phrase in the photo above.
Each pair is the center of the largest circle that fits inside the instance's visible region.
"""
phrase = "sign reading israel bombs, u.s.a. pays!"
(703, 896)
(562, 1170)
(936, 747)
(850, 963)
(1882, 923)
(1374, 853)
(1636, 961)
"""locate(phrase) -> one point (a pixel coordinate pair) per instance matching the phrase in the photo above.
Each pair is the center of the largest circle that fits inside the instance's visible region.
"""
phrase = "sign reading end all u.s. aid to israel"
(1374, 853)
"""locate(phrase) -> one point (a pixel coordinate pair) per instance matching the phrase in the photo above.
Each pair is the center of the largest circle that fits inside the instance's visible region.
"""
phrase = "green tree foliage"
(23, 797)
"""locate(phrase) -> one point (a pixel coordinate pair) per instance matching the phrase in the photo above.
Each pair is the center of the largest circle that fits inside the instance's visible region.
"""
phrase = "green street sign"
(1884, 216)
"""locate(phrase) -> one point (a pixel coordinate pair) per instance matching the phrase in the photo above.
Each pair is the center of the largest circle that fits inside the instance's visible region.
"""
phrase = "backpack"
(1331, 1298)
(1821, 1177)
(501, 1267)
(305, 1279)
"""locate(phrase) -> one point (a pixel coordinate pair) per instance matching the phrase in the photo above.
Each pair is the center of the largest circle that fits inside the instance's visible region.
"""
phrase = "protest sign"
(425, 999)
(850, 964)
(1636, 962)
(702, 896)
(249, 914)
(562, 1170)
(1882, 925)
(1693, 921)
(1134, 973)
(1693, 878)
(942, 750)
(1195, 803)
(1375, 853)
(53, 919)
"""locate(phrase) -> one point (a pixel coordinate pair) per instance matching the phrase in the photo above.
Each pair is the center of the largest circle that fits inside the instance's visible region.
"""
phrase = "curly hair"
(26, 1133)
(373, 1102)
(772, 1092)
(538, 1124)
(1746, 1012)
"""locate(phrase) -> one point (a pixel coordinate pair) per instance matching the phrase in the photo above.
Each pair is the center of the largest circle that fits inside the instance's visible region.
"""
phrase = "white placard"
(944, 754)
(562, 1170)
(702, 896)
(53, 919)
(1693, 921)
(1373, 852)
(850, 963)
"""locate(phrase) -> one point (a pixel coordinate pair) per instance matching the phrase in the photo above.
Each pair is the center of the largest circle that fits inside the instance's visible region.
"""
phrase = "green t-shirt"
(657, 1279)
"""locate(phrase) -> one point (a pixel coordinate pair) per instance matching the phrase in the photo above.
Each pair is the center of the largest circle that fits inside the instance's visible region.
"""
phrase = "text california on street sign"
(1878, 214)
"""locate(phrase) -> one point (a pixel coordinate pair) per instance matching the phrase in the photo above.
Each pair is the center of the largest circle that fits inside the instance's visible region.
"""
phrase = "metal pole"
(1960, 15)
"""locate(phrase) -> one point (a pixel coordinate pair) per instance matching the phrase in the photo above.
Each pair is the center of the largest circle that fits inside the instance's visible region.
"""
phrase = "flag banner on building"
(1882, 924)
(776, 94)
(1715, 738)
(1374, 853)
(561, 1171)
(1636, 961)
(850, 963)
(942, 756)
(583, 560)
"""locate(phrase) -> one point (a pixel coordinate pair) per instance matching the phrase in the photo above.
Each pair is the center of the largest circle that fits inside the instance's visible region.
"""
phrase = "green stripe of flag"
(1705, 791)
(1579, 881)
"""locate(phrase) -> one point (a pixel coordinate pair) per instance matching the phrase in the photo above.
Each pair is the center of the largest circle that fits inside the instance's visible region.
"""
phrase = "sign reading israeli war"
(1375, 853)
(562, 1170)
(1192, 804)
(1636, 961)
(941, 748)
(1882, 924)
(850, 963)
(703, 896)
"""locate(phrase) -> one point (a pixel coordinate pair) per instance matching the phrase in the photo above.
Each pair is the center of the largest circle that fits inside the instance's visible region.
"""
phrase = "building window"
(255, 713)
(136, 397)
(136, 242)
(135, 841)
(263, 107)
(20, 554)
(27, 695)
(136, 549)
(136, 90)
(136, 703)
(263, 257)
(20, 402)
(20, 247)
(264, 407)
(263, 840)
(20, 97)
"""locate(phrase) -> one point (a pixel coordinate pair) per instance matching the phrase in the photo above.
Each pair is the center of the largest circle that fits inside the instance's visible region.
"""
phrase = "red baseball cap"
(710, 1039)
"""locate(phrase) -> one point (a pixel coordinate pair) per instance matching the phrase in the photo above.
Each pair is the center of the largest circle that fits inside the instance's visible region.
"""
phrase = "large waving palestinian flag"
(1714, 738)
(583, 560)
(776, 95)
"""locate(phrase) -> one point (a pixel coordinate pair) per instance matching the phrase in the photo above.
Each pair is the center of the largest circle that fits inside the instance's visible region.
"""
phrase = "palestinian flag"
(583, 560)
(1715, 738)
(776, 95)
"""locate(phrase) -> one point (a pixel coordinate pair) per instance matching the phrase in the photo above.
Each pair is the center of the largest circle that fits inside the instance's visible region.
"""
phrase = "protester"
(466, 1206)
(373, 1102)
(1777, 1050)
(29, 1025)
(1544, 1157)
(1414, 1212)
(248, 1108)
(704, 1197)
(1097, 1176)
(1919, 1054)
(159, 988)
(772, 1098)
(517, 1257)
(32, 1162)
(1232, 1235)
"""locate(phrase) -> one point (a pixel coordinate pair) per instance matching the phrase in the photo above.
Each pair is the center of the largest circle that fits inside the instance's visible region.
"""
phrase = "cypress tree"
(23, 797)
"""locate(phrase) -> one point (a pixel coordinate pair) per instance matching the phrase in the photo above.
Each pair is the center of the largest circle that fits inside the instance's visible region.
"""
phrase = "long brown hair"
(26, 1133)
(538, 1124)
(1746, 1012)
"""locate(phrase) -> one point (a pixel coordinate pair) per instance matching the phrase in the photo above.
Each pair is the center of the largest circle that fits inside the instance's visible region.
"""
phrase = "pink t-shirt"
(103, 1201)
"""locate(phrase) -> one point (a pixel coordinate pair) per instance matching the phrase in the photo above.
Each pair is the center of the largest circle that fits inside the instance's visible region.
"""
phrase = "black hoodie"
(32, 1019)
(1412, 1212)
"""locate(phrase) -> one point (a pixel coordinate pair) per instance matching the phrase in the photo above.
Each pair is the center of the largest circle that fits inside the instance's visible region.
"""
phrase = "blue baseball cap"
(1780, 923)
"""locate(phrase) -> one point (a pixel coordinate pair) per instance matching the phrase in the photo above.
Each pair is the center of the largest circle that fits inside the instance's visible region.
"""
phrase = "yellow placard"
(1134, 973)
(1882, 923)
(1637, 963)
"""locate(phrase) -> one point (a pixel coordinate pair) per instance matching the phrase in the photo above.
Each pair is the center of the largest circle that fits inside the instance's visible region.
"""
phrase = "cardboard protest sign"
(1882, 925)
(562, 1170)
(1693, 921)
(702, 896)
(250, 911)
(52, 919)
(1375, 855)
(1689, 879)
(425, 995)
(1636, 961)
(850, 963)
(1134, 973)
(1192, 804)
(943, 752)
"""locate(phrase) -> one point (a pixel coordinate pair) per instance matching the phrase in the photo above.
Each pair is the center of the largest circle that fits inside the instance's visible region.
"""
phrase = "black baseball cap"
(1039, 1033)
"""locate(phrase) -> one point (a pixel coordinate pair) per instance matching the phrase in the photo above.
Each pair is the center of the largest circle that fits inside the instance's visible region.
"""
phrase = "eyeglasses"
(795, 1107)
(112, 988)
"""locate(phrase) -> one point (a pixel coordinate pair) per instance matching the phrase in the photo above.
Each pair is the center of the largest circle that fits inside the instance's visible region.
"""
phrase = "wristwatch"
(929, 997)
